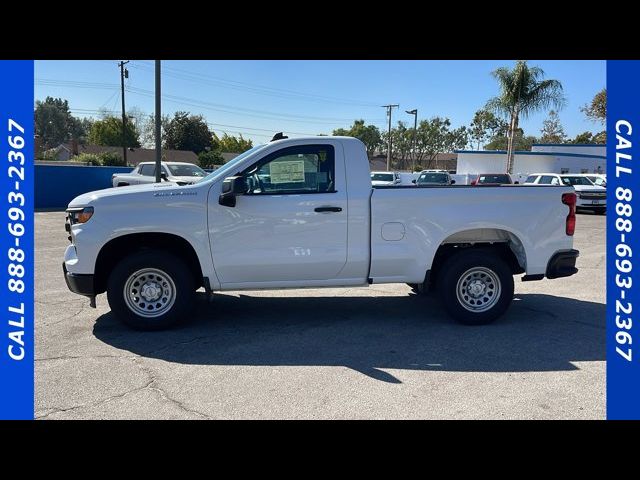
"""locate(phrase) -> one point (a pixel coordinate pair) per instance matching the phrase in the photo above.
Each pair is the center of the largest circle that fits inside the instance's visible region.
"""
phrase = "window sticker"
(291, 171)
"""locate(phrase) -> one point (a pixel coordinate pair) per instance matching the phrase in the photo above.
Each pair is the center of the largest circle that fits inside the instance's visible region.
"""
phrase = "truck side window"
(545, 180)
(148, 170)
(294, 170)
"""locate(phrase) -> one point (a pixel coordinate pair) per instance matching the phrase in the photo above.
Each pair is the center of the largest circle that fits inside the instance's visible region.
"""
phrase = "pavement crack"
(76, 357)
(95, 404)
(153, 385)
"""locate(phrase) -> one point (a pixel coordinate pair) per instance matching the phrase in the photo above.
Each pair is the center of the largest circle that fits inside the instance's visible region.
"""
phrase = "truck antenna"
(278, 136)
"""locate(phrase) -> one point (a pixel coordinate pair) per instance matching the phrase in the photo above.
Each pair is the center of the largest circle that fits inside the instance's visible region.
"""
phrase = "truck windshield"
(382, 177)
(440, 178)
(493, 178)
(186, 171)
(228, 168)
(576, 181)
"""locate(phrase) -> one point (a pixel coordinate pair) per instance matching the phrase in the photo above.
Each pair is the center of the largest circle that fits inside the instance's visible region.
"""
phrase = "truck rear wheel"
(476, 286)
(151, 290)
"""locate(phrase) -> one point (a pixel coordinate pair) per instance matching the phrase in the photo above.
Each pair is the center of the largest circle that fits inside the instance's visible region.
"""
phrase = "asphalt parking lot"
(378, 352)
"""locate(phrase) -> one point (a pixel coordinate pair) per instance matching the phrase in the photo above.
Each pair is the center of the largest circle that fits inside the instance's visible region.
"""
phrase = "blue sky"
(260, 97)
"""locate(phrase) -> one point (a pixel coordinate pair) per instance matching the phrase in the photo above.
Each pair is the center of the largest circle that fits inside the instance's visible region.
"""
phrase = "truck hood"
(381, 182)
(589, 188)
(185, 179)
(168, 189)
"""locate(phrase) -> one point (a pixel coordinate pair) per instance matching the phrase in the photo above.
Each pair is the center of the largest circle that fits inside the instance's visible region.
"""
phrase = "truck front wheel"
(151, 290)
(476, 286)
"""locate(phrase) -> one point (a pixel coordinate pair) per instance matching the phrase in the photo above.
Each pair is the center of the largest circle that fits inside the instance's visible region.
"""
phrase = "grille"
(593, 196)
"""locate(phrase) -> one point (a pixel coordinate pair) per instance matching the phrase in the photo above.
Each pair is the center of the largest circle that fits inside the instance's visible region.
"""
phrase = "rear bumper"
(562, 264)
(79, 283)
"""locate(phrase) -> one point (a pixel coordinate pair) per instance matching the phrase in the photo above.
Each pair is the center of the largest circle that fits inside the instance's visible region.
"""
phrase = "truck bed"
(406, 220)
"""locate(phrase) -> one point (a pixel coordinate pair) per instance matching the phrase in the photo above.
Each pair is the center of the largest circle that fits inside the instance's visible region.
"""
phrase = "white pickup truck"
(181, 173)
(302, 212)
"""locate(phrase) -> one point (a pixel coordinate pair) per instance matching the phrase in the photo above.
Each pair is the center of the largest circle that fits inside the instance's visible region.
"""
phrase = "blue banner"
(623, 182)
(16, 240)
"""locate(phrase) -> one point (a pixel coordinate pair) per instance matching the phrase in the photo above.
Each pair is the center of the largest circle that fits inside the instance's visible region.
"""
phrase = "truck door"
(292, 223)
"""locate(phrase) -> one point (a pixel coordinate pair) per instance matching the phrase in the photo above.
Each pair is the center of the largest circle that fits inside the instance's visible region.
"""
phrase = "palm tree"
(523, 91)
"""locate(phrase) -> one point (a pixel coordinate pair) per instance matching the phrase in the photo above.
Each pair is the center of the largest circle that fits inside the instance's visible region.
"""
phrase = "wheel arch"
(124, 245)
(504, 242)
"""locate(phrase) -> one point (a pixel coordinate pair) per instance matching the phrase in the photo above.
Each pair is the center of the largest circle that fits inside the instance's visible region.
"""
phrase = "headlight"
(79, 215)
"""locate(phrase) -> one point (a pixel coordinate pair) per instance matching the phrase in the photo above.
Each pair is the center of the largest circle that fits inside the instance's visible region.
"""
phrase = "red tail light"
(473, 182)
(570, 200)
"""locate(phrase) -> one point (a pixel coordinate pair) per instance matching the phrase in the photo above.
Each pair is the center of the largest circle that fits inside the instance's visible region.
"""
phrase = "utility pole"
(124, 73)
(414, 112)
(158, 124)
(389, 108)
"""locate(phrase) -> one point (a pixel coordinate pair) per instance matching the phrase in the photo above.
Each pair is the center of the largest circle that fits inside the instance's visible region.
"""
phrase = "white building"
(543, 157)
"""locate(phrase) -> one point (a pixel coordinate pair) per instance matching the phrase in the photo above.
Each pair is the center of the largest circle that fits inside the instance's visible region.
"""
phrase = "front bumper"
(79, 283)
(562, 264)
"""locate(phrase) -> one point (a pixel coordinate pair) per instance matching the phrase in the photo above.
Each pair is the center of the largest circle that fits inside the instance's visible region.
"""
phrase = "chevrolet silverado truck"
(181, 173)
(589, 196)
(302, 213)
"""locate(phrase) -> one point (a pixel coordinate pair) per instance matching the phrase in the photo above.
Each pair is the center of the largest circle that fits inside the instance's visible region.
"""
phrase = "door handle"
(327, 209)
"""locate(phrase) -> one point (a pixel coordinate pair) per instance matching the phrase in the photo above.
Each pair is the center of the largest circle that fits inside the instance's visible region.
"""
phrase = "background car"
(434, 177)
(385, 178)
(590, 196)
(177, 172)
(598, 179)
(493, 179)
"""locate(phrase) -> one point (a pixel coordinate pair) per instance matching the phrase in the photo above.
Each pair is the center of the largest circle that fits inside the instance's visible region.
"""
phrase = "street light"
(414, 112)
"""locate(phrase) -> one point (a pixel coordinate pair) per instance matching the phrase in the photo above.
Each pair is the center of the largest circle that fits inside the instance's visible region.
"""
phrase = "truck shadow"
(373, 334)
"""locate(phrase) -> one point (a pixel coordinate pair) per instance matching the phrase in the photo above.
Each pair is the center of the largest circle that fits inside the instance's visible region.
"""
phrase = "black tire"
(418, 289)
(458, 266)
(183, 291)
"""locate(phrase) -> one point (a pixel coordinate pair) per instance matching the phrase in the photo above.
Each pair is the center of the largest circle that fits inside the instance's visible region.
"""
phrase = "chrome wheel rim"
(149, 292)
(478, 289)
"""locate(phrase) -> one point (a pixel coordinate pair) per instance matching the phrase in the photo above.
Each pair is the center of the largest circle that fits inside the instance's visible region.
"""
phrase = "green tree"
(597, 109)
(552, 130)
(484, 126)
(147, 127)
(402, 144)
(54, 123)
(367, 134)
(523, 91)
(187, 132)
(108, 131)
(230, 143)
(520, 142)
(111, 159)
(583, 138)
(600, 137)
(207, 159)
(435, 136)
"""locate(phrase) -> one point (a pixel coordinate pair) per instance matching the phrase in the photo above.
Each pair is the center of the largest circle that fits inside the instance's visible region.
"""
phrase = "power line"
(206, 105)
(86, 111)
(260, 89)
(242, 110)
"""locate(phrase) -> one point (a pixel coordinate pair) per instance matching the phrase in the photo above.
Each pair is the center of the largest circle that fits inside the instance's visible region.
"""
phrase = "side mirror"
(453, 181)
(516, 182)
(163, 176)
(414, 181)
(232, 187)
